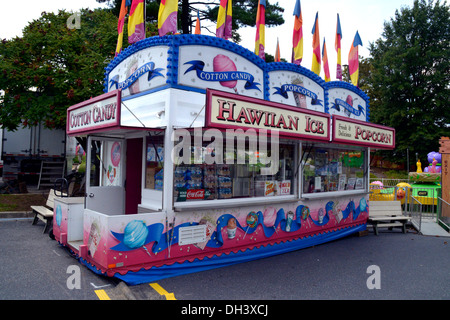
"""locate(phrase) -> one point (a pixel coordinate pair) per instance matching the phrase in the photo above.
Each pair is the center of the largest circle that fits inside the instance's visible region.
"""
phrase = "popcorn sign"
(357, 132)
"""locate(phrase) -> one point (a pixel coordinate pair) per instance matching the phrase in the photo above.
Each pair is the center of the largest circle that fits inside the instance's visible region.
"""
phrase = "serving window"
(333, 168)
(154, 160)
(245, 172)
(153, 169)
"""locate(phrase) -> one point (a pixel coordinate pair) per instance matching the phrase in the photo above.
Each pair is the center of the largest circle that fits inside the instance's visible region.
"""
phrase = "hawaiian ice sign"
(231, 111)
(214, 68)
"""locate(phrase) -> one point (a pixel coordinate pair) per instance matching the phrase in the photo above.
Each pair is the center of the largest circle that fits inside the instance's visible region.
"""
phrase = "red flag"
(353, 60)
(136, 22)
(297, 39)
(260, 29)
(123, 12)
(277, 52)
(197, 25)
(326, 68)
(316, 47)
(337, 46)
(224, 20)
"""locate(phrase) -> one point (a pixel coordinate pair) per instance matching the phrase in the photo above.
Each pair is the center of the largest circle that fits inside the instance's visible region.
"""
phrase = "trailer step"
(50, 171)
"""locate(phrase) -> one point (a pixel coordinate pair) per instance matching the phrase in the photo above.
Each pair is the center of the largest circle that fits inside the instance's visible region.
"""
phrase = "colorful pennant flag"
(167, 17)
(260, 29)
(297, 39)
(353, 60)
(337, 46)
(316, 47)
(197, 24)
(136, 23)
(121, 22)
(277, 52)
(326, 68)
(224, 20)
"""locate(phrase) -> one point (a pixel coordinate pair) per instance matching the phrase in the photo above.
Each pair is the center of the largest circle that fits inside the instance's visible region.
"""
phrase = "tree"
(410, 77)
(53, 67)
(244, 13)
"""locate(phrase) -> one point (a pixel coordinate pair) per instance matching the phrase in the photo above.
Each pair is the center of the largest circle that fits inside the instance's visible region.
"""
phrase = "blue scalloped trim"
(349, 86)
(175, 41)
(222, 260)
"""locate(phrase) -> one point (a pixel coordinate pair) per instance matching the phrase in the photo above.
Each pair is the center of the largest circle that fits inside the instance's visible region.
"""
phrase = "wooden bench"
(45, 213)
(387, 214)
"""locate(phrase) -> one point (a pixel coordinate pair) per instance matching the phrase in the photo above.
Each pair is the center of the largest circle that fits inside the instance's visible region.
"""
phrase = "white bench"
(386, 214)
(45, 213)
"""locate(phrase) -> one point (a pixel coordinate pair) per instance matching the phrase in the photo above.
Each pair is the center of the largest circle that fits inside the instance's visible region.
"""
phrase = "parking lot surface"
(390, 266)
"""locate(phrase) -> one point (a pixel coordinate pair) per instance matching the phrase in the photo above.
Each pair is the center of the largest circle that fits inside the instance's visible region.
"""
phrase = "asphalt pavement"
(390, 266)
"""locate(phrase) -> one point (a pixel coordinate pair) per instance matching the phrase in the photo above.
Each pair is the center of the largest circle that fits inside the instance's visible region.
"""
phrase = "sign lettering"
(356, 132)
(226, 110)
(99, 113)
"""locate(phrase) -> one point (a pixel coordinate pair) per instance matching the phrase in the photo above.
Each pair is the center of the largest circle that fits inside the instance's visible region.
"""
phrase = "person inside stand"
(79, 151)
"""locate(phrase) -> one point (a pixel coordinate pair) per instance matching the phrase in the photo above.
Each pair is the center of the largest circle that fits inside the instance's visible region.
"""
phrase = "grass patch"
(21, 202)
(395, 174)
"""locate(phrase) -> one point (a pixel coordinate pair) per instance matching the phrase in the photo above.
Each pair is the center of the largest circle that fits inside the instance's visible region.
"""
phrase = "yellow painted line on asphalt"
(101, 294)
(161, 291)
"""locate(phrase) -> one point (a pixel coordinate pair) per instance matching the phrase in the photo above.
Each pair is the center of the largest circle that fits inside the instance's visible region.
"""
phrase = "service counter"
(68, 220)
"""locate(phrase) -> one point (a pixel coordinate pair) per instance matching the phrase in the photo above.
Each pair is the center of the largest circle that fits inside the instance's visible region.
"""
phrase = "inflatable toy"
(419, 166)
(375, 189)
(403, 191)
(434, 160)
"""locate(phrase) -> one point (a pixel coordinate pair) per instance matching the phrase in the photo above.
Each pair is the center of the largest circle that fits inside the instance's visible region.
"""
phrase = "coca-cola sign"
(196, 194)
(184, 194)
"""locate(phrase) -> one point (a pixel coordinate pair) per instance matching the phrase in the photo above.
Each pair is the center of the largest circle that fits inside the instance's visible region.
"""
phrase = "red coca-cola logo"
(195, 194)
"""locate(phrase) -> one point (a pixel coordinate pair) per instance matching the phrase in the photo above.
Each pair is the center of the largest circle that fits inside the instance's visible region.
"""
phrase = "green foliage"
(395, 174)
(409, 78)
(53, 67)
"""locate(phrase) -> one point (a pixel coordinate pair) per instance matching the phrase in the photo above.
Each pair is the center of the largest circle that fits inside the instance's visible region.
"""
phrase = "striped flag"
(277, 52)
(297, 39)
(136, 23)
(167, 17)
(197, 25)
(224, 19)
(123, 12)
(337, 46)
(353, 61)
(260, 29)
(326, 68)
(316, 47)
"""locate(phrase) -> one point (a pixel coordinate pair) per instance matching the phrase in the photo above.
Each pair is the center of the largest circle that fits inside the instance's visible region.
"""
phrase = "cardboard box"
(150, 178)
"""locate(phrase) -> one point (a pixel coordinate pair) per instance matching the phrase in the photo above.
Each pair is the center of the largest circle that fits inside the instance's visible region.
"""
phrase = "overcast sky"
(366, 17)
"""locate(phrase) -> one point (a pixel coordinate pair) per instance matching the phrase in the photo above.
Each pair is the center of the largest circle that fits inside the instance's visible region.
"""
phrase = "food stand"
(201, 155)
